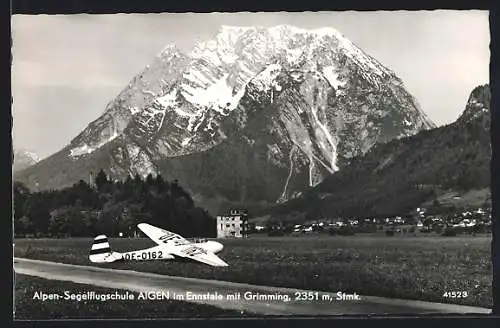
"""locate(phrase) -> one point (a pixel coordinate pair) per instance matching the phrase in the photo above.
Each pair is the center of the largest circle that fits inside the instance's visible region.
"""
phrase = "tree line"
(109, 207)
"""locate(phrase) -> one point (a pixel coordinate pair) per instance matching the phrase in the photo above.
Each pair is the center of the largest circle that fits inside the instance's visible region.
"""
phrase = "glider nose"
(213, 246)
(218, 246)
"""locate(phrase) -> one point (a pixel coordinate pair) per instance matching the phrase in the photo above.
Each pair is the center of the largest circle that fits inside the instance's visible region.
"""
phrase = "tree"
(20, 189)
(59, 223)
(25, 226)
(101, 179)
(180, 195)
(196, 220)
(109, 218)
(159, 180)
(128, 180)
(83, 193)
(150, 180)
(427, 222)
(127, 221)
(80, 210)
(37, 210)
(89, 222)
(20, 193)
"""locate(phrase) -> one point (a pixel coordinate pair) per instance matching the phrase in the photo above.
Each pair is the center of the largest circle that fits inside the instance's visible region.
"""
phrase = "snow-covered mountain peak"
(270, 110)
(23, 159)
(233, 33)
(267, 78)
(285, 29)
(278, 30)
(195, 91)
(238, 43)
(31, 155)
(169, 49)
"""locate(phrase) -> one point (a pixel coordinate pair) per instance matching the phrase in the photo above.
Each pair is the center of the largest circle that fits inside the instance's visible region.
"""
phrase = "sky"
(66, 68)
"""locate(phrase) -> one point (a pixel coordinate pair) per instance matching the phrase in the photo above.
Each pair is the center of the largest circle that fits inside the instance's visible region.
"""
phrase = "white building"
(259, 228)
(231, 226)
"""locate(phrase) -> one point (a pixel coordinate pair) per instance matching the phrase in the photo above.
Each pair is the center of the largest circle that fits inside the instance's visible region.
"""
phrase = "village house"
(234, 225)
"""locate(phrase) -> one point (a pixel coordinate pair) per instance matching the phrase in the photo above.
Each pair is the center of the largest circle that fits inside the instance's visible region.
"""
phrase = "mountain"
(23, 159)
(478, 107)
(446, 167)
(253, 115)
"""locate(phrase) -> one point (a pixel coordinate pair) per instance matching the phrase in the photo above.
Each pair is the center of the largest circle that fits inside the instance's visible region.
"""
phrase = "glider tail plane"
(100, 251)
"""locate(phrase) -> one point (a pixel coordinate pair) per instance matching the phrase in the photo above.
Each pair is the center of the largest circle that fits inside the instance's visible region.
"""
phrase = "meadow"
(420, 268)
(28, 308)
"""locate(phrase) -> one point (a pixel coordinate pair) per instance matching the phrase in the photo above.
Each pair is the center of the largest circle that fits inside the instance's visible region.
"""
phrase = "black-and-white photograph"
(214, 165)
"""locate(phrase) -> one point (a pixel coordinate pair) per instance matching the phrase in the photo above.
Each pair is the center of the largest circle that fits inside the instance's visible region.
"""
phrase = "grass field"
(29, 308)
(420, 268)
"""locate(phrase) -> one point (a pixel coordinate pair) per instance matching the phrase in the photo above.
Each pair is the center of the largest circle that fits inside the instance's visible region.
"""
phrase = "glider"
(170, 246)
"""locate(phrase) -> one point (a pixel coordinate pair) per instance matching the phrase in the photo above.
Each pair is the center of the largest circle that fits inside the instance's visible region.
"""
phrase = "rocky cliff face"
(478, 107)
(438, 165)
(253, 114)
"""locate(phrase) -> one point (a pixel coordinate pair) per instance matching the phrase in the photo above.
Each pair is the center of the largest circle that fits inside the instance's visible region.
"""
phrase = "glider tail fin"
(100, 252)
